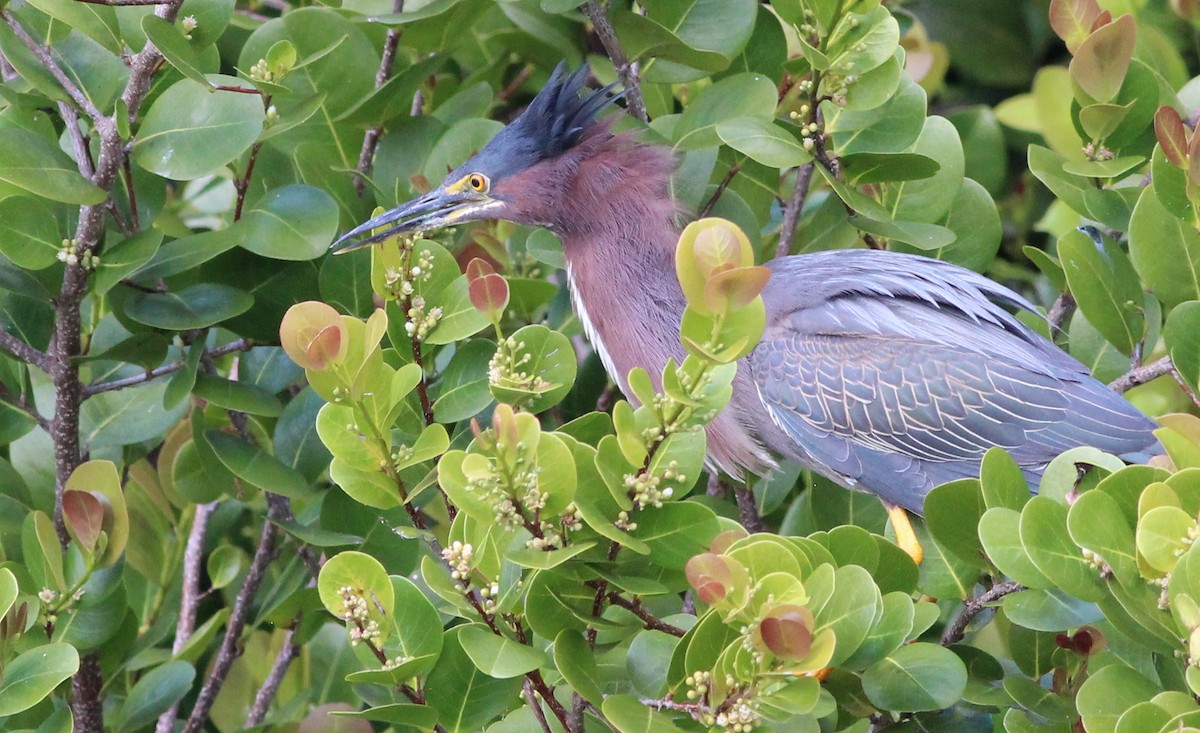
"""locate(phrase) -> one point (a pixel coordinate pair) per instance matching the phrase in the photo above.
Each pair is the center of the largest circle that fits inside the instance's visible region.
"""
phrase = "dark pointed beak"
(434, 210)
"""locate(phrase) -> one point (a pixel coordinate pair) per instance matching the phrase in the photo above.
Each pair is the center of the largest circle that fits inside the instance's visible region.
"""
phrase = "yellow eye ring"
(478, 182)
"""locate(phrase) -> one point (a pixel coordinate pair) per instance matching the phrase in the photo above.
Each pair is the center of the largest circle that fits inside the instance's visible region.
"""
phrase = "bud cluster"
(355, 611)
(419, 322)
(69, 253)
(504, 369)
(511, 490)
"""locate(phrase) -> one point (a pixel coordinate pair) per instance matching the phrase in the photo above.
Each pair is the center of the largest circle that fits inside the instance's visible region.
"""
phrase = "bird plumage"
(889, 373)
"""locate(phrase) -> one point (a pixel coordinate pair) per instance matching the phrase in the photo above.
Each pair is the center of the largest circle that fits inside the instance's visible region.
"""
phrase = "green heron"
(886, 372)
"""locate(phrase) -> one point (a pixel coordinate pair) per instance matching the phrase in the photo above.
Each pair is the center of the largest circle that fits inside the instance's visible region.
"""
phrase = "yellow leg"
(906, 538)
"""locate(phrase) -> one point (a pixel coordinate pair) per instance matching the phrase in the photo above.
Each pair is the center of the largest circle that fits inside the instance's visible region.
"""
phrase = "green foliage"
(382, 490)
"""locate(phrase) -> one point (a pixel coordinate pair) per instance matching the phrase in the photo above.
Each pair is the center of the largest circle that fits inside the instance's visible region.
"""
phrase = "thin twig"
(22, 403)
(83, 156)
(637, 609)
(229, 348)
(230, 648)
(627, 70)
(748, 509)
(537, 709)
(712, 200)
(972, 607)
(193, 558)
(518, 80)
(132, 194)
(266, 693)
(795, 207)
(47, 61)
(1140, 375)
(366, 156)
(1060, 312)
(24, 351)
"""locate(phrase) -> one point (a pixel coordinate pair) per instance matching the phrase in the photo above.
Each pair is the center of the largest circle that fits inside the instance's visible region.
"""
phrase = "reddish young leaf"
(1172, 135)
(1072, 20)
(787, 632)
(735, 287)
(721, 542)
(1102, 60)
(313, 335)
(488, 290)
(711, 576)
(83, 514)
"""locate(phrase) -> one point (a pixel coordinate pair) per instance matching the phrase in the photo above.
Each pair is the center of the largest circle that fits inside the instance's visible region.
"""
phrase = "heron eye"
(478, 182)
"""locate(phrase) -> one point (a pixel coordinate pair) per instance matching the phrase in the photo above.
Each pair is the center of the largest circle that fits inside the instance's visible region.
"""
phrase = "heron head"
(486, 186)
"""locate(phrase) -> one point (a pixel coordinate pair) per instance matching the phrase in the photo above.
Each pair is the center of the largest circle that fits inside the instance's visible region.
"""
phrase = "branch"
(625, 69)
(748, 509)
(24, 351)
(712, 200)
(266, 693)
(1142, 374)
(229, 348)
(637, 609)
(795, 207)
(366, 156)
(231, 643)
(1060, 311)
(21, 402)
(537, 709)
(193, 558)
(972, 607)
(47, 61)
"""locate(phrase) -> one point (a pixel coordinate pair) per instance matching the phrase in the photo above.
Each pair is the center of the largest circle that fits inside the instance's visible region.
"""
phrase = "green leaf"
(865, 168)
(576, 662)
(1182, 334)
(224, 564)
(1163, 534)
(916, 677)
(360, 576)
(154, 694)
(629, 715)
(1044, 535)
(198, 306)
(409, 715)
(1049, 610)
(290, 223)
(676, 532)
(255, 466)
(731, 98)
(763, 141)
(498, 656)
(167, 38)
(238, 396)
(548, 356)
(465, 698)
(416, 626)
(121, 417)
(1165, 251)
(31, 162)
(1097, 522)
(1108, 693)
(999, 533)
(29, 234)
(952, 513)
(8, 590)
(1106, 287)
(191, 131)
(34, 674)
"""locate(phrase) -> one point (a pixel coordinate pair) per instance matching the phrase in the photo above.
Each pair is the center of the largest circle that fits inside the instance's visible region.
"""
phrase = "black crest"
(550, 125)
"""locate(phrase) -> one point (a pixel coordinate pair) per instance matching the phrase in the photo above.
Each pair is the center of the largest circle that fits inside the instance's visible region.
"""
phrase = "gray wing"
(896, 373)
